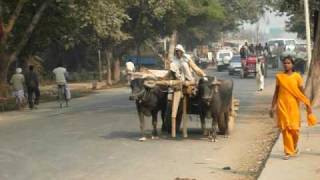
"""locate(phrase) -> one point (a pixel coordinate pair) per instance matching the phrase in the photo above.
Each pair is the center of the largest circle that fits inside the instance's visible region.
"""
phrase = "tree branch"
(35, 20)
(13, 18)
(154, 50)
(6, 29)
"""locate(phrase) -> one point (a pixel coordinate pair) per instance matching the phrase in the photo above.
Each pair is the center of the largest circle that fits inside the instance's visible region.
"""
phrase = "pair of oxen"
(213, 100)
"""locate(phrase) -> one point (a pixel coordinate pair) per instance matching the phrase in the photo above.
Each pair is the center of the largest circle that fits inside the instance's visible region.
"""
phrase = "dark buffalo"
(150, 99)
(215, 100)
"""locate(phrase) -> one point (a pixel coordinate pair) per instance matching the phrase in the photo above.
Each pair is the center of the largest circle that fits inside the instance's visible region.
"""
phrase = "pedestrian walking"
(259, 49)
(267, 50)
(252, 49)
(17, 82)
(32, 82)
(286, 98)
(260, 69)
(243, 52)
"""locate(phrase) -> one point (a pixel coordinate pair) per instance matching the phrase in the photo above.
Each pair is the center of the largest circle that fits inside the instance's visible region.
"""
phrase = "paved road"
(96, 138)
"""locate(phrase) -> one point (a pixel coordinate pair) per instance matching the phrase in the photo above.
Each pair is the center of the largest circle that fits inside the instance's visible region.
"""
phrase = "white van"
(223, 58)
(287, 44)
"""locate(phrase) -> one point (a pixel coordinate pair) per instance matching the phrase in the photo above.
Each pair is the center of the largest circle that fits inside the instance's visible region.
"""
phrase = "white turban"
(18, 70)
(180, 48)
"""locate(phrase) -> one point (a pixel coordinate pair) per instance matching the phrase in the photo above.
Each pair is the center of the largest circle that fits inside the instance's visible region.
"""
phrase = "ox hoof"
(205, 132)
(213, 140)
(155, 137)
(142, 139)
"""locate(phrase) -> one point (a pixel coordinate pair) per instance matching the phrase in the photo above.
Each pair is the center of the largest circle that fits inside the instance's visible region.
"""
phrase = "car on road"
(235, 65)
(287, 44)
(223, 58)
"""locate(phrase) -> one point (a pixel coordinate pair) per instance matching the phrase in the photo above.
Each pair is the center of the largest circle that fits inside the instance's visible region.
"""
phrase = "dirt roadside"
(48, 93)
(265, 131)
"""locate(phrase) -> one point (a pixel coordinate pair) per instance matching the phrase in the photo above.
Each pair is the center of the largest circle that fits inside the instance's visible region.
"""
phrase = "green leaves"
(104, 16)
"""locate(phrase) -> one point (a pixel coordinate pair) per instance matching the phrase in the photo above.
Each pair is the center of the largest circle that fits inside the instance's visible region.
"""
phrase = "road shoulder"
(305, 166)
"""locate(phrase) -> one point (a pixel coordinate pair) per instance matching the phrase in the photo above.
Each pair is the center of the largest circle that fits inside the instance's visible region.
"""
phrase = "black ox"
(215, 100)
(150, 99)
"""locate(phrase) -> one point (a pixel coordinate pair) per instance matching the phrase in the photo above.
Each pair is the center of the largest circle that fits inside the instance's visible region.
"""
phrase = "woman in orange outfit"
(286, 98)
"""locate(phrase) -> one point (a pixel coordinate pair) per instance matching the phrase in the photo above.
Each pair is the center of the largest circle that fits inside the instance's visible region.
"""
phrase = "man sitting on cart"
(183, 67)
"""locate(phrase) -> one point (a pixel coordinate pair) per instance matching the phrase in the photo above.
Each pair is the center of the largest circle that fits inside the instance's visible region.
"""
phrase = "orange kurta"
(288, 109)
(289, 96)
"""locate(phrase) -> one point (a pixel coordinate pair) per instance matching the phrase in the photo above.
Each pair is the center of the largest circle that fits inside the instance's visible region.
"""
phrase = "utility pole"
(258, 32)
(307, 18)
(99, 61)
(100, 73)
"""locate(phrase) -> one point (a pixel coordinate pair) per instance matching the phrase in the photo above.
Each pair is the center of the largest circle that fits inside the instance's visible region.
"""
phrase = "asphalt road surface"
(96, 139)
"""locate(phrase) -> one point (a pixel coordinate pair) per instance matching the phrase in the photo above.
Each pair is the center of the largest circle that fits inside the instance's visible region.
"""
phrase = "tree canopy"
(37, 27)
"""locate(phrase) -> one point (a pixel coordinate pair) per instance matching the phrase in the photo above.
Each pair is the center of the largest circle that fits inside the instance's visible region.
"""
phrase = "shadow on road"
(193, 134)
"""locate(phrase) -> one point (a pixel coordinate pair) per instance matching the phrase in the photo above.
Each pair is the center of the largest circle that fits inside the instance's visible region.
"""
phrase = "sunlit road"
(96, 138)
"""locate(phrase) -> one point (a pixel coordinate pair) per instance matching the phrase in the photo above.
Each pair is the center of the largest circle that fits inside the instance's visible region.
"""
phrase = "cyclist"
(17, 82)
(61, 79)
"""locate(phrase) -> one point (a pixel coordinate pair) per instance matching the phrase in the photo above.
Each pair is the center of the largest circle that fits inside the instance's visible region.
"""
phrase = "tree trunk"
(108, 57)
(116, 70)
(3, 75)
(313, 83)
(315, 24)
(138, 56)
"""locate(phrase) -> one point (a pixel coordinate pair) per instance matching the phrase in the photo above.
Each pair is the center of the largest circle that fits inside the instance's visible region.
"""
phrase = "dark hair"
(289, 58)
(31, 67)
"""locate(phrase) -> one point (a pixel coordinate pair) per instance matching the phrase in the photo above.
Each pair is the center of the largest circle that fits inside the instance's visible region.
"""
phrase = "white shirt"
(130, 67)
(60, 74)
(181, 68)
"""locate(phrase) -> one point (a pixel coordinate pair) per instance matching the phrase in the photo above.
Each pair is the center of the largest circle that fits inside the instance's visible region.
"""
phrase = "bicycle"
(62, 96)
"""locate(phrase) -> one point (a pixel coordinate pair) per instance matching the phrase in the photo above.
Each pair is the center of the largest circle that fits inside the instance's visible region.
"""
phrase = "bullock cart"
(160, 77)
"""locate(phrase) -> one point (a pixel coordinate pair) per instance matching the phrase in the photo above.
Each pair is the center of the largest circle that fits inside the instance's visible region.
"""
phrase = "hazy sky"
(270, 20)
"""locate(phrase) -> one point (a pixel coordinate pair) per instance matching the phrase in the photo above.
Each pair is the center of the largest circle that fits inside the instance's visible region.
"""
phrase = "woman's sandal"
(286, 157)
(297, 152)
